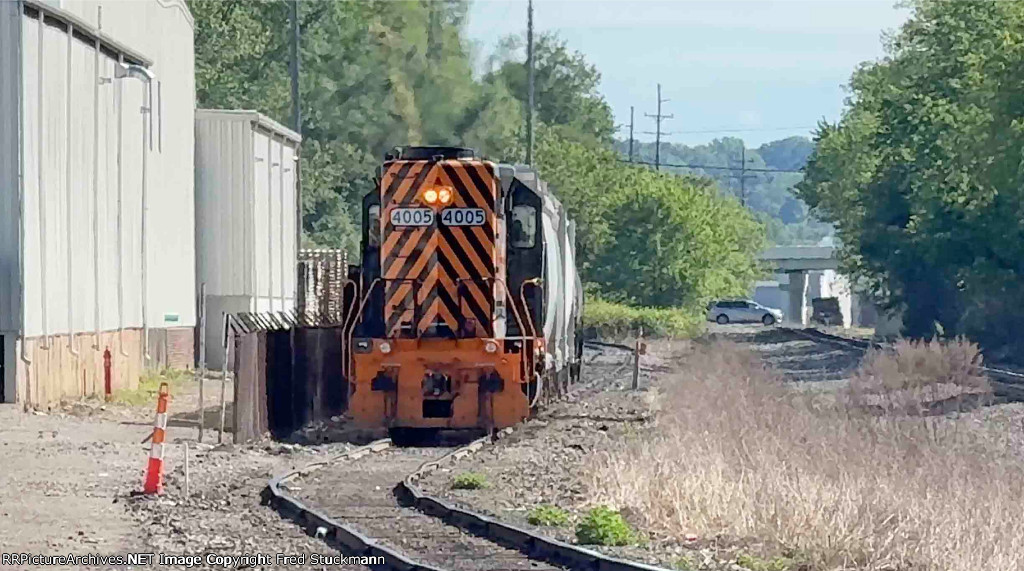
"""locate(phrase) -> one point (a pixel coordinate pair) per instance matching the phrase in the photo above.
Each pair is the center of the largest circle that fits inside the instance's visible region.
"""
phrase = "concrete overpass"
(796, 262)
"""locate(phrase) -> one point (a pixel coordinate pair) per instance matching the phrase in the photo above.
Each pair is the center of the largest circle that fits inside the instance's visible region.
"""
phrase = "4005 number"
(463, 217)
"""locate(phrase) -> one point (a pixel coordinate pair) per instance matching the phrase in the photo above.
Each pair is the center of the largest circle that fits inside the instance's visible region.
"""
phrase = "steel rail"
(340, 535)
(333, 532)
(1005, 383)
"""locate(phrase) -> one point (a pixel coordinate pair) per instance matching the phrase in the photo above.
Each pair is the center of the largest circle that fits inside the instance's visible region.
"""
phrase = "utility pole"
(529, 83)
(657, 133)
(743, 175)
(630, 133)
(295, 68)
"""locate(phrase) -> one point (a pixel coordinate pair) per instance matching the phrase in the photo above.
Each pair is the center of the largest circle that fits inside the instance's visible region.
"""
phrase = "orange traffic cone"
(155, 470)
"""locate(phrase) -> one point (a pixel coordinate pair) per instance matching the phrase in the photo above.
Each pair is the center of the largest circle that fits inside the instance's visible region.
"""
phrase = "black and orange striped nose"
(438, 254)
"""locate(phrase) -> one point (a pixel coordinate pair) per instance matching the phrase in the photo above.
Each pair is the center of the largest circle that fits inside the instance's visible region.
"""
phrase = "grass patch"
(604, 526)
(149, 387)
(617, 321)
(469, 481)
(739, 454)
(552, 516)
(755, 563)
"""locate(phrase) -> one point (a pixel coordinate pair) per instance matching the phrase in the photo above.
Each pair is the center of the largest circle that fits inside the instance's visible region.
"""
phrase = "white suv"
(739, 311)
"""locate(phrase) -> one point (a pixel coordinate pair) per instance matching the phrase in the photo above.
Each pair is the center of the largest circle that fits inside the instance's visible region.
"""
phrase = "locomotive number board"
(449, 217)
(412, 216)
(463, 217)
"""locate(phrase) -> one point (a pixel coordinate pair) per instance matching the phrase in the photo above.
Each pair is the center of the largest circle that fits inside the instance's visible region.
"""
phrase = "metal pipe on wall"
(42, 202)
(146, 76)
(147, 134)
(21, 173)
(96, 180)
(119, 95)
(67, 183)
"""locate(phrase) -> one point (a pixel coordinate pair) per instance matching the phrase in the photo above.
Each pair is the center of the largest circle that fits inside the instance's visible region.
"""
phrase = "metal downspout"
(146, 143)
(96, 182)
(21, 176)
(42, 202)
(119, 93)
(67, 183)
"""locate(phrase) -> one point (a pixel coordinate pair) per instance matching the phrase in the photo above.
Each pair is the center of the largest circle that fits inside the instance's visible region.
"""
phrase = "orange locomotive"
(468, 298)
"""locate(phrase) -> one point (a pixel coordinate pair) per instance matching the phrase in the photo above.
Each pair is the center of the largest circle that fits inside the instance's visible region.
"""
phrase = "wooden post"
(224, 377)
(636, 359)
(201, 369)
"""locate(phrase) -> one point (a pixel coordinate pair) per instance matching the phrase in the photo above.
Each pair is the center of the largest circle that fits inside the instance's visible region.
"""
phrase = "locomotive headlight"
(385, 347)
(491, 347)
(430, 196)
(444, 195)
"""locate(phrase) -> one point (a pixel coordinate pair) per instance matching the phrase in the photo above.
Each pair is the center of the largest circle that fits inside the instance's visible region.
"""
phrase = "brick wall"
(172, 347)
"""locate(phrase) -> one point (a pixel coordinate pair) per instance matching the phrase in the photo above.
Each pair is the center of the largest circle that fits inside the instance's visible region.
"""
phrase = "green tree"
(565, 88)
(922, 174)
(651, 238)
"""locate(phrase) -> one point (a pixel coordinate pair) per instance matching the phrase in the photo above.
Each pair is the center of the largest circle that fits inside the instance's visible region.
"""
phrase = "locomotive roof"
(525, 174)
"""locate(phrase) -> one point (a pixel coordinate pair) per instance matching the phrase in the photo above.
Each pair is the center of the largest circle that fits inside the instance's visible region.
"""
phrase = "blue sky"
(772, 68)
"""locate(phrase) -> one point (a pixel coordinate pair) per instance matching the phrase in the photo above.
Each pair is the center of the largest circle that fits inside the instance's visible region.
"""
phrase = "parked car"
(742, 311)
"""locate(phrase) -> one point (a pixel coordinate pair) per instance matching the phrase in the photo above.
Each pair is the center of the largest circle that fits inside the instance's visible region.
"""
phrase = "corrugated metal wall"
(224, 219)
(82, 264)
(246, 199)
(246, 207)
(10, 273)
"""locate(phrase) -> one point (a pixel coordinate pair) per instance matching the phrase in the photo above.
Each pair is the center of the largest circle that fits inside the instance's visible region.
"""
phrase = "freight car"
(464, 309)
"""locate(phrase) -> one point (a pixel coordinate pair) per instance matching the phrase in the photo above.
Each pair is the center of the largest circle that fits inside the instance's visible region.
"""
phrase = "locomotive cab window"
(523, 229)
(373, 225)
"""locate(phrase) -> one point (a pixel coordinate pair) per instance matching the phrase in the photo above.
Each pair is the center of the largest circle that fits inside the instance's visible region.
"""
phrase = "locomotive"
(465, 306)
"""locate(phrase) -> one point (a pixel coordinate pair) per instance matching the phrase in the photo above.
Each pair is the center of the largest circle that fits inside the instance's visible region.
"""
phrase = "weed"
(913, 377)
(604, 526)
(149, 387)
(548, 515)
(684, 562)
(738, 453)
(469, 481)
(755, 563)
(616, 320)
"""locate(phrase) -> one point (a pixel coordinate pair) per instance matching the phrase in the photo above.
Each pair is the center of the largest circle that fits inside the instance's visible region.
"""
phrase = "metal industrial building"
(97, 204)
(247, 227)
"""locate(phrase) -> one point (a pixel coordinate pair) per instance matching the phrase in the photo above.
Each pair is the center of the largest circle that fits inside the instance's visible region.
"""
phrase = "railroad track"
(1005, 383)
(367, 503)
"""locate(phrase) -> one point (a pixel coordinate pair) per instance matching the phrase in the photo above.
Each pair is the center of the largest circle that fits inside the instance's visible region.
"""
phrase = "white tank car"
(563, 296)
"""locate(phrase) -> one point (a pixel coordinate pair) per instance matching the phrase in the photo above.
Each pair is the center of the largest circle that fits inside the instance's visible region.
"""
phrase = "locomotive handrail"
(515, 312)
(345, 317)
(535, 282)
(519, 322)
(359, 314)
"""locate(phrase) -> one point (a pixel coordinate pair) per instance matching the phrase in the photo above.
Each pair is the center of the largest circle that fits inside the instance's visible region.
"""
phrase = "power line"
(738, 130)
(712, 167)
(657, 134)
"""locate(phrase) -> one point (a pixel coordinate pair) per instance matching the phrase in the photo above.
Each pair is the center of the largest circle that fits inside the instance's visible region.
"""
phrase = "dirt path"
(63, 480)
(67, 481)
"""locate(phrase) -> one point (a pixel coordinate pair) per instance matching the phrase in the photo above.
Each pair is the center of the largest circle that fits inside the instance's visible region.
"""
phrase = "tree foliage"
(382, 73)
(923, 176)
(650, 238)
(770, 195)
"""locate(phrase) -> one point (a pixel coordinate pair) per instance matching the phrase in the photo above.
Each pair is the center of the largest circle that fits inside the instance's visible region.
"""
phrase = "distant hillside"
(769, 194)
